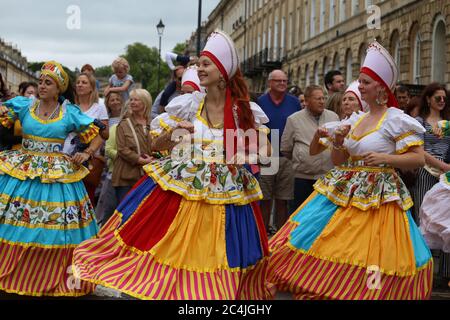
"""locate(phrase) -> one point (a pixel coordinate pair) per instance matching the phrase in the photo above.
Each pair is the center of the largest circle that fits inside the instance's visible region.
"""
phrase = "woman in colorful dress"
(44, 208)
(435, 214)
(354, 237)
(191, 228)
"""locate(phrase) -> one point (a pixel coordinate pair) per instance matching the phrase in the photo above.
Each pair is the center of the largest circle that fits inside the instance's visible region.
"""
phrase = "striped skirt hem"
(308, 277)
(142, 277)
(35, 271)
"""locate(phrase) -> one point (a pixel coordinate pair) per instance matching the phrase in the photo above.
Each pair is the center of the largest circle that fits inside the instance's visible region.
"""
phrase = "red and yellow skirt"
(159, 245)
(329, 252)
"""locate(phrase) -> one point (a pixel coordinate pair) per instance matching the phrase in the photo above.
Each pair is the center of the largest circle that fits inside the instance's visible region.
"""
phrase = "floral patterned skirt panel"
(161, 245)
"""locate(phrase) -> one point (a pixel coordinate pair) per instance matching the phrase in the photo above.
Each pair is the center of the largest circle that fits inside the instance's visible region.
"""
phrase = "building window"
(299, 75)
(349, 67)
(307, 76)
(264, 40)
(368, 3)
(291, 31)
(258, 50)
(336, 64)
(395, 47)
(326, 66)
(283, 37)
(269, 41)
(312, 27)
(362, 53)
(299, 18)
(355, 7)
(322, 16)
(332, 12)
(341, 10)
(438, 62)
(416, 58)
(275, 40)
(305, 19)
(316, 73)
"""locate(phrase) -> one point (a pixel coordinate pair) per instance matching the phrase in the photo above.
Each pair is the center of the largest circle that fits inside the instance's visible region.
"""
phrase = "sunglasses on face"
(440, 98)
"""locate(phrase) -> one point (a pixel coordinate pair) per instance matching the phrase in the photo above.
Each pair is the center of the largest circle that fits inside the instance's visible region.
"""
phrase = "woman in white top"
(86, 97)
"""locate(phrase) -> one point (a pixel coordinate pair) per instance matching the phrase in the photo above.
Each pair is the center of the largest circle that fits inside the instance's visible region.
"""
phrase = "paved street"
(438, 294)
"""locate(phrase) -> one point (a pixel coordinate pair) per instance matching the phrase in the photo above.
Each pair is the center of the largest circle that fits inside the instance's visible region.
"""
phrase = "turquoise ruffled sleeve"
(17, 108)
(81, 124)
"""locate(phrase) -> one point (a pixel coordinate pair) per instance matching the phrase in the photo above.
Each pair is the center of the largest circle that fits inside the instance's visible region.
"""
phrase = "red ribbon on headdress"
(192, 84)
(229, 124)
(392, 102)
(228, 117)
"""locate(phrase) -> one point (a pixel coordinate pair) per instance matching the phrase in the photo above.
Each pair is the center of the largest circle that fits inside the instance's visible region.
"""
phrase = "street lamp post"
(199, 26)
(160, 27)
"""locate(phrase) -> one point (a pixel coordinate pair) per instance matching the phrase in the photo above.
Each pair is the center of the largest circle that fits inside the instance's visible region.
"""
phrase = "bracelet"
(89, 152)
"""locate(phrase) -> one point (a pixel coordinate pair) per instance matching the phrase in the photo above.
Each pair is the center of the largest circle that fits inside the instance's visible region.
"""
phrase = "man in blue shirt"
(278, 186)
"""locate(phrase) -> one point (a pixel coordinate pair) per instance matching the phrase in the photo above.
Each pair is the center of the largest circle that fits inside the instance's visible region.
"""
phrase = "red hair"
(241, 97)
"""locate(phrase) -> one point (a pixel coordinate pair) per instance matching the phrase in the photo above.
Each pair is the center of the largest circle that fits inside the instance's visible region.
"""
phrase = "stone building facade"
(13, 66)
(307, 38)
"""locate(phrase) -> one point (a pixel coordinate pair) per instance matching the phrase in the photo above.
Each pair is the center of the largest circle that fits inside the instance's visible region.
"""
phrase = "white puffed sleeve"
(333, 125)
(181, 108)
(260, 118)
(403, 129)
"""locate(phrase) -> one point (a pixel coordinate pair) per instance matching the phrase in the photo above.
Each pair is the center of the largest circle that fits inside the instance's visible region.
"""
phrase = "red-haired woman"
(191, 228)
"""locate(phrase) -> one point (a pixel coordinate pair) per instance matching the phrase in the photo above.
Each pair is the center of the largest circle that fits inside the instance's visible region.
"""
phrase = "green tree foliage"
(180, 48)
(104, 72)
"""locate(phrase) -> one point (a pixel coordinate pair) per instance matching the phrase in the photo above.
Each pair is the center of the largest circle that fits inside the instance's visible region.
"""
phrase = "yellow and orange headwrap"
(55, 70)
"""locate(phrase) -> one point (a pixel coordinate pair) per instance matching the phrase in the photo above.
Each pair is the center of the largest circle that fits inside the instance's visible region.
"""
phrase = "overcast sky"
(40, 30)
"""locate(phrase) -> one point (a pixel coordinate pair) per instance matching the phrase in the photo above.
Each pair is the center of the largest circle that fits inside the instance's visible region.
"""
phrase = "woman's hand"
(144, 159)
(340, 134)
(322, 132)
(80, 157)
(437, 131)
(185, 125)
(445, 167)
(374, 158)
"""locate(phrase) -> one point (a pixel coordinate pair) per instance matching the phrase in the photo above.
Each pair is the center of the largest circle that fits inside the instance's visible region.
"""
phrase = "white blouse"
(395, 133)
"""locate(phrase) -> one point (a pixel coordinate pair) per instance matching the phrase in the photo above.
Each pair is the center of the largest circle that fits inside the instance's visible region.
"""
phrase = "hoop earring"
(378, 99)
(222, 85)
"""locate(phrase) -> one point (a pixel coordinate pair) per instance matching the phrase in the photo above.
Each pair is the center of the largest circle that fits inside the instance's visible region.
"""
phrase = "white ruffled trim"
(259, 115)
(183, 107)
(333, 125)
(398, 123)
